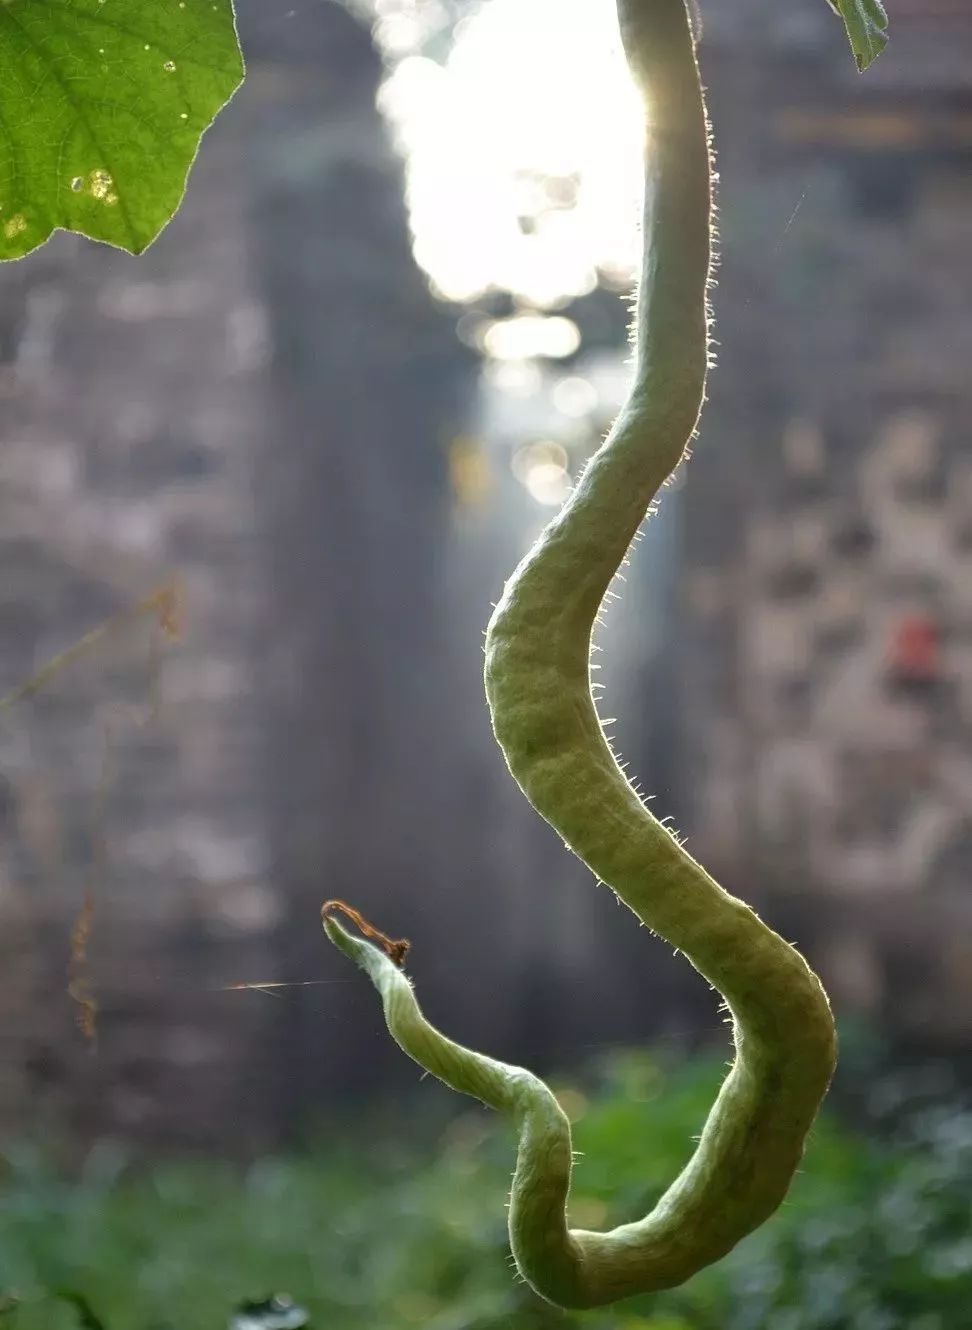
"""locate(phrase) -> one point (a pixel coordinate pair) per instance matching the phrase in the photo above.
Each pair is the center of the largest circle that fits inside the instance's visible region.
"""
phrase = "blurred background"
(331, 407)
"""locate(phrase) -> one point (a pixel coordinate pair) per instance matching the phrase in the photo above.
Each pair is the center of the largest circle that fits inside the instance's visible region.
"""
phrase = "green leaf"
(102, 106)
(88, 1318)
(867, 27)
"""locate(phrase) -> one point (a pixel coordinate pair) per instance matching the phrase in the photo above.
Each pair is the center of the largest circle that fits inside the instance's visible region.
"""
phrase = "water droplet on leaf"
(102, 187)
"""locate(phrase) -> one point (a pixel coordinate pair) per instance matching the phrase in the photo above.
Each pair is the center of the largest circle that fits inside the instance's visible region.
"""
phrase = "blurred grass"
(370, 1230)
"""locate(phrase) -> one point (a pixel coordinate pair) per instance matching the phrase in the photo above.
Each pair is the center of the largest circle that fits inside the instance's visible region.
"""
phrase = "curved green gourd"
(538, 686)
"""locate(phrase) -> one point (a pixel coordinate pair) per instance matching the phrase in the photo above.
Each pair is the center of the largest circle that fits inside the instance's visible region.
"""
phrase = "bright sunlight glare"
(523, 152)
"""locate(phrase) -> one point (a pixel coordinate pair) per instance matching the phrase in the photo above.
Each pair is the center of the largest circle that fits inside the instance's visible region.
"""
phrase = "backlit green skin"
(538, 686)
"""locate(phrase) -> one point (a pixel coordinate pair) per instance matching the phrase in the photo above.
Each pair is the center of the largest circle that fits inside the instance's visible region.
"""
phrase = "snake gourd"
(537, 678)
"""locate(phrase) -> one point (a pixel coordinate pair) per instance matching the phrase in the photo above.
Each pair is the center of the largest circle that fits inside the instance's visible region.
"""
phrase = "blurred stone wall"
(827, 610)
(253, 409)
(133, 408)
(370, 384)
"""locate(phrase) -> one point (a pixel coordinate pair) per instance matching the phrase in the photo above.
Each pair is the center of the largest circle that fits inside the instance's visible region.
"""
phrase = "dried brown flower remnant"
(395, 949)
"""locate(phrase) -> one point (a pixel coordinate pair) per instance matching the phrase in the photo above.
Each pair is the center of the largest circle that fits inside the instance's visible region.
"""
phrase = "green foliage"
(875, 1235)
(867, 27)
(104, 103)
(87, 1317)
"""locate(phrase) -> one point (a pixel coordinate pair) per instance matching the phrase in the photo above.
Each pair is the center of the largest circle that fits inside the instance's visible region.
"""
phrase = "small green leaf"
(102, 106)
(867, 27)
(88, 1318)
